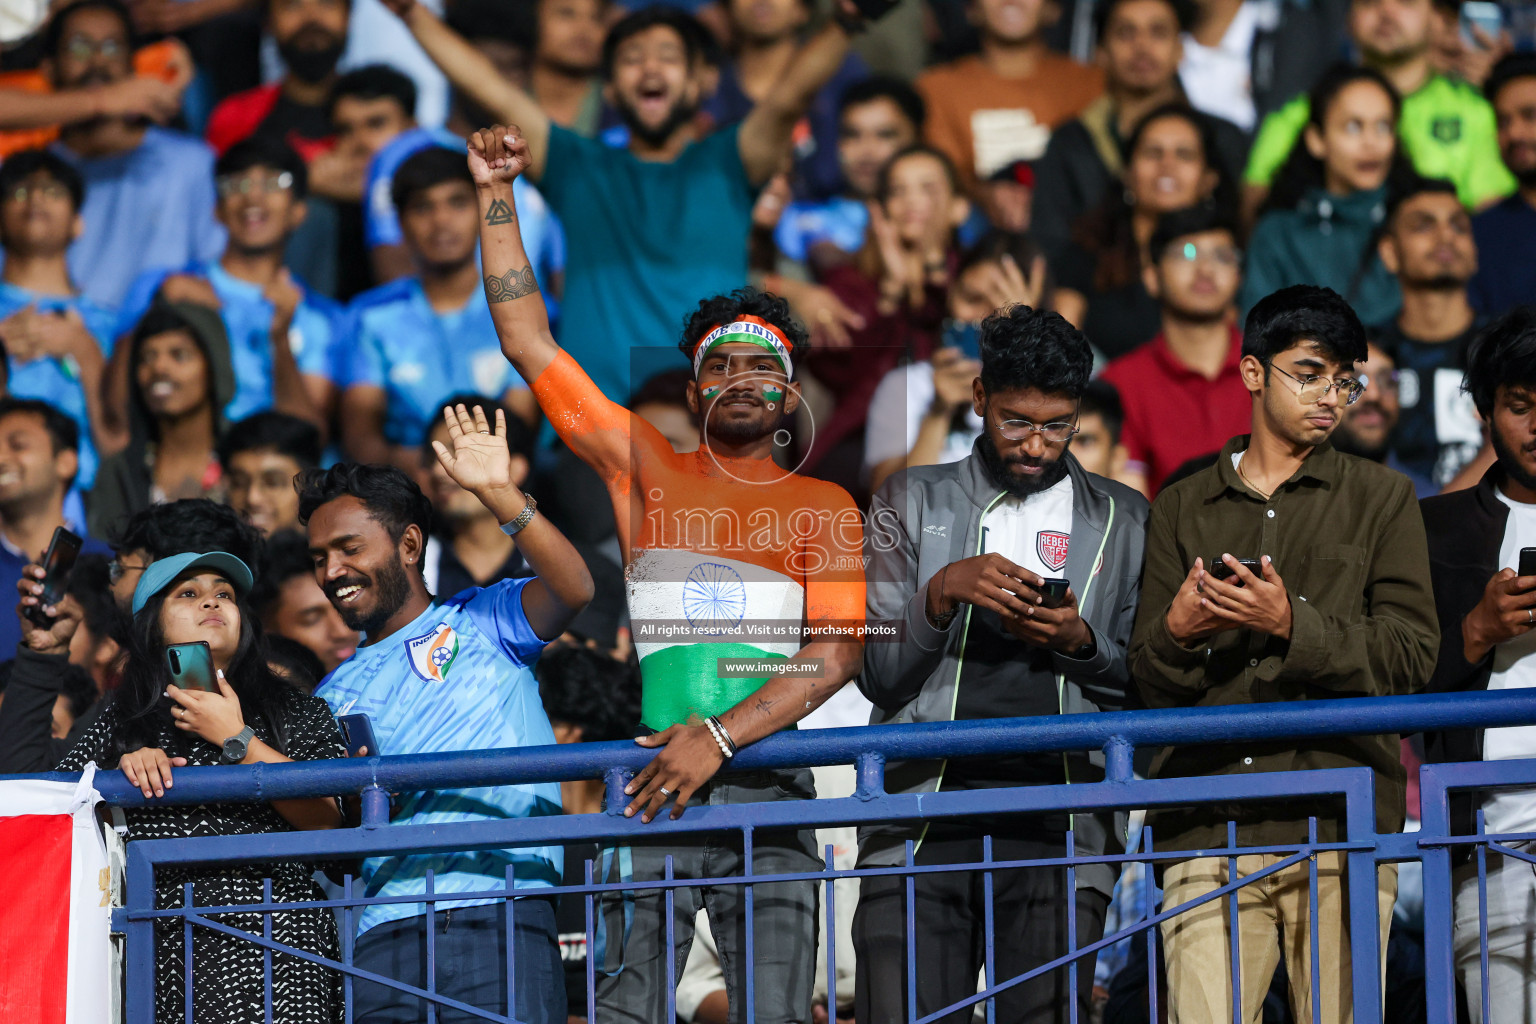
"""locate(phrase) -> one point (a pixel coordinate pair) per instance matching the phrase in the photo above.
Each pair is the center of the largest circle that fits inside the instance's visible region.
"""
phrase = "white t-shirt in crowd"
(896, 413)
(1514, 665)
(1034, 532)
(1218, 79)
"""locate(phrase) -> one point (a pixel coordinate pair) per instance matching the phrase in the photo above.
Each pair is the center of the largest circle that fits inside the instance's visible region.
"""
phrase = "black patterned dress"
(227, 971)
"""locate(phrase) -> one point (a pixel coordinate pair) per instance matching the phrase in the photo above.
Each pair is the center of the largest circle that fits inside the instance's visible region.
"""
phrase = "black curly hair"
(722, 309)
(1023, 347)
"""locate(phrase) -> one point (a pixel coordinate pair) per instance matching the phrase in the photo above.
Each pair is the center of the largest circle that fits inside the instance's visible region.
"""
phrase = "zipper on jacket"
(965, 627)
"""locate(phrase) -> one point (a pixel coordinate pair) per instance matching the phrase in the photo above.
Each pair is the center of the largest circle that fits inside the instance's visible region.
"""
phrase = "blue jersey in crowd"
(542, 239)
(459, 677)
(420, 357)
(248, 319)
(149, 207)
(57, 381)
(840, 221)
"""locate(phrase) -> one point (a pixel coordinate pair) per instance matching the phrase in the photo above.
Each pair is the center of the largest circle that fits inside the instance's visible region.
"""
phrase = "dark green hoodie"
(124, 482)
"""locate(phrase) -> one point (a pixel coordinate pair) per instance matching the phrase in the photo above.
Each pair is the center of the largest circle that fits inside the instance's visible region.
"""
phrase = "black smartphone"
(1222, 571)
(1527, 562)
(191, 666)
(57, 563)
(1053, 592)
(357, 733)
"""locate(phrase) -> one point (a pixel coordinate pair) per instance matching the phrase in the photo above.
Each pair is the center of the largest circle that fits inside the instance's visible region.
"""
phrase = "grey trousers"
(632, 979)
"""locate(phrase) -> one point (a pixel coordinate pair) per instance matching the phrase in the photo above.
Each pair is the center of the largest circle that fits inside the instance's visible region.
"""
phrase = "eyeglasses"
(84, 48)
(1054, 433)
(1315, 387)
(231, 185)
(46, 190)
(1221, 255)
(117, 570)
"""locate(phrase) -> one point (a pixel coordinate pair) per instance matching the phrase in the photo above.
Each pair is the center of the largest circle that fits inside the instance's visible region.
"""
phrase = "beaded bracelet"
(722, 738)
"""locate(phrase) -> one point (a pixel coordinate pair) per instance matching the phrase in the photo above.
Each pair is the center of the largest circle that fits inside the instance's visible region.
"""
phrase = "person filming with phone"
(196, 690)
(1286, 571)
(1482, 558)
(999, 574)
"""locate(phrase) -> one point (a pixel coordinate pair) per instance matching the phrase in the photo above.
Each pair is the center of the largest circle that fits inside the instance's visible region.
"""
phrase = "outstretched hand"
(497, 155)
(479, 460)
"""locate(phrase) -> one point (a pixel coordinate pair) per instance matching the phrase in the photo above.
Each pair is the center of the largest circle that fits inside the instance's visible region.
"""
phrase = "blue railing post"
(1118, 755)
(139, 935)
(1364, 909)
(375, 807)
(1439, 915)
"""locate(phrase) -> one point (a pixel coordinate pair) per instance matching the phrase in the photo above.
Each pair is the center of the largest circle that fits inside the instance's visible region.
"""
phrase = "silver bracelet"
(524, 517)
(723, 734)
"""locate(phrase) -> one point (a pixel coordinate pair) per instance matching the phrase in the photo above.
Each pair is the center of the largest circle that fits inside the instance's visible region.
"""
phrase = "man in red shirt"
(1182, 392)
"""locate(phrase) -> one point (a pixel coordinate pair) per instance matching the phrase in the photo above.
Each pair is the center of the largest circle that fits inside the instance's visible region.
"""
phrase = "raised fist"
(497, 155)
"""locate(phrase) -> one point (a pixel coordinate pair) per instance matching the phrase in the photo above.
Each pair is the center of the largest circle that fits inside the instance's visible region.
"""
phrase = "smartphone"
(59, 561)
(1053, 592)
(964, 335)
(191, 666)
(1527, 562)
(357, 733)
(1221, 570)
(1489, 17)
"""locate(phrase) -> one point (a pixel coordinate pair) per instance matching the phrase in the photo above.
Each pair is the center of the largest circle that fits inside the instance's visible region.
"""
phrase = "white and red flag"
(55, 904)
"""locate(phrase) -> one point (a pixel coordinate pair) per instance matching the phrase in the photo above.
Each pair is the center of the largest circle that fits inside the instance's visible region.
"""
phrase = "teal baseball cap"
(162, 572)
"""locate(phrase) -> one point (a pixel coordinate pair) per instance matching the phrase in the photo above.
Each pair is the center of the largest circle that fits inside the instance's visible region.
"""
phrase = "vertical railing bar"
(432, 944)
(1150, 906)
(669, 905)
(1071, 902)
(266, 951)
(831, 888)
(511, 926)
(1234, 946)
(747, 842)
(186, 948)
(591, 902)
(989, 925)
(911, 886)
(1482, 909)
(1316, 963)
(346, 948)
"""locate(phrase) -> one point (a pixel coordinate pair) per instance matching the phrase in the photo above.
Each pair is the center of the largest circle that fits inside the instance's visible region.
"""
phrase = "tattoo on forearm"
(500, 213)
(763, 706)
(514, 284)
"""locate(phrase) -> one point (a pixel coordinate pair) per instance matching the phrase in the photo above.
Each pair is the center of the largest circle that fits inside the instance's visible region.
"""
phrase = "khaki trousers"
(1273, 921)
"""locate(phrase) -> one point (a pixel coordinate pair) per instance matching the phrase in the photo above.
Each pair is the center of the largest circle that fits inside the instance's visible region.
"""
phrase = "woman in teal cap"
(150, 726)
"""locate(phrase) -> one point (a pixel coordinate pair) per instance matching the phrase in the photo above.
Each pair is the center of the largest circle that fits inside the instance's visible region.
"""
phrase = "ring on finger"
(665, 792)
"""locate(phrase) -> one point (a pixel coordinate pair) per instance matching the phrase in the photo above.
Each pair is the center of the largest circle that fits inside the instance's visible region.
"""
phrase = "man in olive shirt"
(1340, 607)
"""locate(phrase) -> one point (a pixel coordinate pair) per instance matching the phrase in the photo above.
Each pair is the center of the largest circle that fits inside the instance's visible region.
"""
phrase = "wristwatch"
(524, 517)
(236, 746)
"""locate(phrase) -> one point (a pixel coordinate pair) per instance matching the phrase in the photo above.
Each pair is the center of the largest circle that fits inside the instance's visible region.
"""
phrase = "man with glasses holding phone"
(1340, 606)
(1010, 582)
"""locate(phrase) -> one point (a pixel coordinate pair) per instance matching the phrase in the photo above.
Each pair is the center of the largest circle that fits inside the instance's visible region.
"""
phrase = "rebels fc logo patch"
(1052, 548)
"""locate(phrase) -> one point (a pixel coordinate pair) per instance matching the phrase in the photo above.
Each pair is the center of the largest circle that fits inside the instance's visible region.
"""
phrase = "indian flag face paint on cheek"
(772, 393)
(708, 391)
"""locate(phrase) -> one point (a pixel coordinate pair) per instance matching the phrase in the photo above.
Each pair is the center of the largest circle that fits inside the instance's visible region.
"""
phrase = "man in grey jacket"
(963, 563)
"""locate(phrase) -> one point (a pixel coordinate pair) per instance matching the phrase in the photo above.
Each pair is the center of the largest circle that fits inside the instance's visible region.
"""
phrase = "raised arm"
(480, 463)
(473, 74)
(764, 139)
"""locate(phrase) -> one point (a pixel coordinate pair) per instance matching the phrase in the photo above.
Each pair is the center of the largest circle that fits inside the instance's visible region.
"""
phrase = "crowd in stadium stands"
(481, 367)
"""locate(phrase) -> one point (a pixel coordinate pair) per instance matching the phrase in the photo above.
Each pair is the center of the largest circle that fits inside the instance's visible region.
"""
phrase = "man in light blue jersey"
(448, 675)
(57, 340)
(281, 334)
(414, 343)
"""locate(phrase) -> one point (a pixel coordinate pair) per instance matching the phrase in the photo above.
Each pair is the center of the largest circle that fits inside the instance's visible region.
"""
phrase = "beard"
(1507, 459)
(1001, 476)
(316, 61)
(681, 113)
(1346, 442)
(392, 588)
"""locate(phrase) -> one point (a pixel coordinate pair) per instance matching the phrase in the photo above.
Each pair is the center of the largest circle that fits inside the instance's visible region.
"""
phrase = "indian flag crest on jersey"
(432, 653)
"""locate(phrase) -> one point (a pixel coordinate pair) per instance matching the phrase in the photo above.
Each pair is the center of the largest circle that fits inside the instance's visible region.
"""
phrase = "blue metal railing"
(1118, 735)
